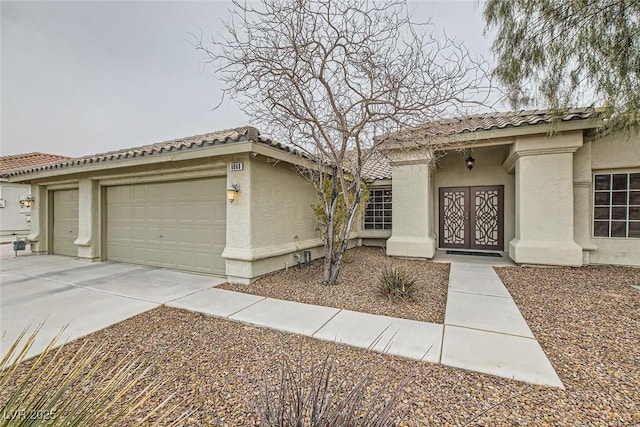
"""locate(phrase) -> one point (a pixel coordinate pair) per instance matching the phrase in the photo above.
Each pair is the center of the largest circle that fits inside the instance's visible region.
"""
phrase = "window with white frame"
(377, 213)
(616, 205)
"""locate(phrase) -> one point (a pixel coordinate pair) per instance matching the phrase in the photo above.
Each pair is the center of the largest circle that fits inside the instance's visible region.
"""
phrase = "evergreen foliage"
(570, 53)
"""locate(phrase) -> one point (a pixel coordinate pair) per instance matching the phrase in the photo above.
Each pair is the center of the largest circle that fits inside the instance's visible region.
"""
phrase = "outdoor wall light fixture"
(27, 201)
(470, 162)
(232, 192)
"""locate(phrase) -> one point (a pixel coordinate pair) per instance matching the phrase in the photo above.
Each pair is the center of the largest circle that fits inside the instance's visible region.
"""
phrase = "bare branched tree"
(325, 76)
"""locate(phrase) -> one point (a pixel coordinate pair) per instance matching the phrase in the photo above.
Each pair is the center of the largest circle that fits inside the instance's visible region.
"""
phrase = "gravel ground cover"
(356, 289)
(587, 320)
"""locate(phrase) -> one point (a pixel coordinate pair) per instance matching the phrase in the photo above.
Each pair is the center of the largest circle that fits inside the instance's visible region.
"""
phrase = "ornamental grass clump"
(88, 387)
(396, 283)
(317, 395)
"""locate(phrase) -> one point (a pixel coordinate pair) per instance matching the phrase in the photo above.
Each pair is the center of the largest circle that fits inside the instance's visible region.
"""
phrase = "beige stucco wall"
(616, 153)
(545, 182)
(14, 220)
(412, 234)
(89, 237)
(544, 232)
(582, 197)
(268, 224)
(281, 205)
(39, 220)
(547, 199)
(616, 251)
(271, 221)
(452, 172)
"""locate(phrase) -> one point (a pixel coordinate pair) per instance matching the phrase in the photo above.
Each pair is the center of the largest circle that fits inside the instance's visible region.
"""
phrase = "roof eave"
(473, 138)
(237, 147)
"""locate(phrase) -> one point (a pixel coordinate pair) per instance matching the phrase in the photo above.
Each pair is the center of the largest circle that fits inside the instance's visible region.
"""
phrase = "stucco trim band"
(510, 161)
(243, 254)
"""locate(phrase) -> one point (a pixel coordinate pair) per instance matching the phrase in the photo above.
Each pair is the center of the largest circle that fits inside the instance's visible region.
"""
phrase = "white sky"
(86, 77)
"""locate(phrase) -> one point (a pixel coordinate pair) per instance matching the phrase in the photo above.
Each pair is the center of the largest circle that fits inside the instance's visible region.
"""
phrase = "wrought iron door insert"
(472, 217)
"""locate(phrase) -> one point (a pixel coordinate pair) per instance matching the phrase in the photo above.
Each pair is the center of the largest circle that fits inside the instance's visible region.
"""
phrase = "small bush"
(396, 283)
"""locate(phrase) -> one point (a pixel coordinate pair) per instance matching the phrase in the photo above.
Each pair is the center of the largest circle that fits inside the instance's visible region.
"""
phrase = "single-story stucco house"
(513, 183)
(15, 210)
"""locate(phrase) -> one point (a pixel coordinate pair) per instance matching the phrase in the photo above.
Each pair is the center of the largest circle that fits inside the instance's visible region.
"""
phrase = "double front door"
(472, 217)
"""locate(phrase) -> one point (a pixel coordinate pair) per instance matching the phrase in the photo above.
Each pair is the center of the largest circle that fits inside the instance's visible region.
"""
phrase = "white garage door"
(65, 222)
(180, 225)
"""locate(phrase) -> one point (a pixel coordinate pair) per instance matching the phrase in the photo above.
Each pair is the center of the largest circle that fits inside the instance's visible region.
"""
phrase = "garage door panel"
(204, 215)
(172, 234)
(155, 213)
(203, 238)
(65, 222)
(139, 235)
(179, 225)
(170, 213)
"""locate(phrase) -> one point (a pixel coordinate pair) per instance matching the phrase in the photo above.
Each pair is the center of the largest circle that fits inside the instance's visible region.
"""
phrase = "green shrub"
(396, 283)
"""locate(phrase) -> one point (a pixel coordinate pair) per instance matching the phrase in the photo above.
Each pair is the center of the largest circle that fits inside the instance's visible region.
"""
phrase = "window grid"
(616, 205)
(377, 213)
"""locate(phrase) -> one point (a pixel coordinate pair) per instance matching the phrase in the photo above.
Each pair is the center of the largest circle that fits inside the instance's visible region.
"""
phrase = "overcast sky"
(85, 77)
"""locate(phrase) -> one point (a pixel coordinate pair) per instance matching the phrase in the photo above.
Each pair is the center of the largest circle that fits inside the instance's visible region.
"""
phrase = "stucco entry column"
(88, 219)
(582, 194)
(544, 199)
(237, 251)
(38, 236)
(412, 228)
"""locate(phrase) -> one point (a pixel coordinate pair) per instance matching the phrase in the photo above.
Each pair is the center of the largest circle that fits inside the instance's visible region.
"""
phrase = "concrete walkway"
(483, 330)
(402, 337)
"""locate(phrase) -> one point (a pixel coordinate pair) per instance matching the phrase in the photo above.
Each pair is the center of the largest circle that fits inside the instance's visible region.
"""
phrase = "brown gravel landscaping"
(586, 319)
(356, 289)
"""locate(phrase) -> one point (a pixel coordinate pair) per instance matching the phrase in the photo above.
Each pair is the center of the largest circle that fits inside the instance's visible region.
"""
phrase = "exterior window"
(377, 214)
(616, 205)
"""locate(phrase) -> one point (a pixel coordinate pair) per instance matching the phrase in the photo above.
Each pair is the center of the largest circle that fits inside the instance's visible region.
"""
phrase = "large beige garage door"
(180, 225)
(65, 222)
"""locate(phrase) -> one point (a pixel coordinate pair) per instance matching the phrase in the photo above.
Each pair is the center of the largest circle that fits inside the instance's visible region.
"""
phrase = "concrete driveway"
(86, 297)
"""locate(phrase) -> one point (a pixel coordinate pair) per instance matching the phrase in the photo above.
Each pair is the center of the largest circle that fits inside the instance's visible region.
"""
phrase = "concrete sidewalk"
(483, 330)
(401, 337)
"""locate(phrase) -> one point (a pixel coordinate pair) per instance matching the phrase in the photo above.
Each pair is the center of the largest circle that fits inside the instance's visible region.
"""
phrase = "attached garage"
(179, 224)
(65, 222)
(169, 205)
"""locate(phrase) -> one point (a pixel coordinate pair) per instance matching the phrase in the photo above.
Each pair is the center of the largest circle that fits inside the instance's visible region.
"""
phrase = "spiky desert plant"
(396, 282)
(312, 395)
(56, 388)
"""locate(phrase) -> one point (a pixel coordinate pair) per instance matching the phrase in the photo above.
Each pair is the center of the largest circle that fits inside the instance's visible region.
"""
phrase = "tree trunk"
(330, 228)
(328, 251)
(336, 263)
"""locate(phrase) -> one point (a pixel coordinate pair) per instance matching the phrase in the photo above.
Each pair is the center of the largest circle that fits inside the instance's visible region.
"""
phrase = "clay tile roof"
(226, 136)
(376, 167)
(27, 160)
(441, 129)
